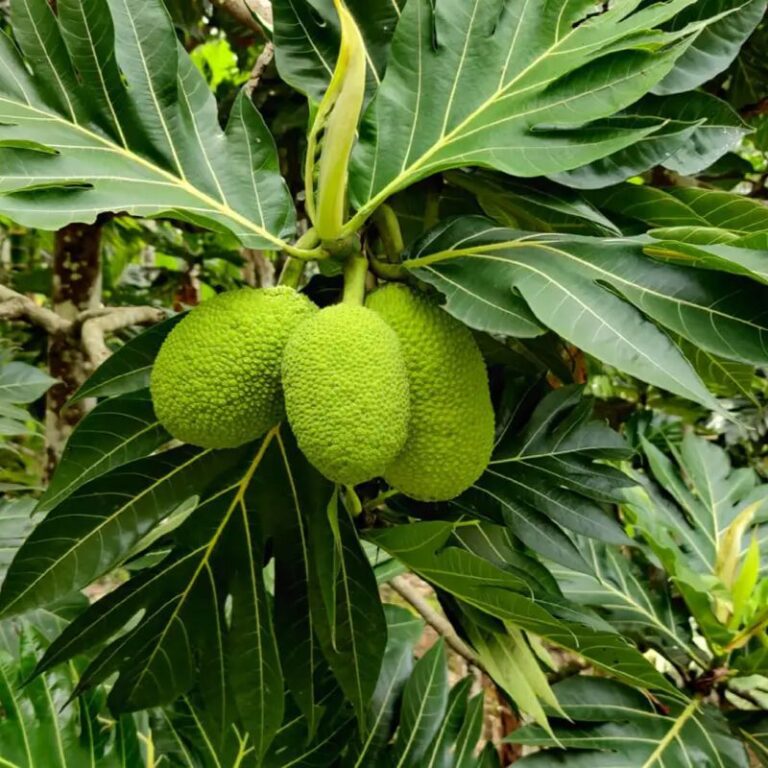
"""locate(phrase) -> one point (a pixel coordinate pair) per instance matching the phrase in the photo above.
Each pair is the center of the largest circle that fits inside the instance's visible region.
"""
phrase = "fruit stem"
(293, 270)
(355, 274)
(390, 233)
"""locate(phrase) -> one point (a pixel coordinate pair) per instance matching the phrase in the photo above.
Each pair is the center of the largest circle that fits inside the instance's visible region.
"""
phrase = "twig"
(94, 328)
(259, 68)
(15, 306)
(253, 14)
(259, 271)
(437, 621)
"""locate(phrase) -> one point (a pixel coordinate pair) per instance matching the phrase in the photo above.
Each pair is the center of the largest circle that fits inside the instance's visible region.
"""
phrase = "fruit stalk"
(355, 275)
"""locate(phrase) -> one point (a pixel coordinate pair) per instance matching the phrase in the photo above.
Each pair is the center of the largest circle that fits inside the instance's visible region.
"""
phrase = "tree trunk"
(76, 287)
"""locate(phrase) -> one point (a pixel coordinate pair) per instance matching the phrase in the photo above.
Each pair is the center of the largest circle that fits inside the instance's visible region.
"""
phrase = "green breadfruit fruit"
(346, 393)
(450, 436)
(216, 380)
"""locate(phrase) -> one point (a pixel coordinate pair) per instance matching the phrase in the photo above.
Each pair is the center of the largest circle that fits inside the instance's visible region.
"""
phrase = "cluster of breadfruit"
(395, 389)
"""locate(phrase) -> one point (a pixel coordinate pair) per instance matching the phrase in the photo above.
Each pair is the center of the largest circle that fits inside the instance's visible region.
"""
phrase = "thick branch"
(93, 324)
(249, 13)
(15, 306)
(96, 325)
(259, 68)
(437, 621)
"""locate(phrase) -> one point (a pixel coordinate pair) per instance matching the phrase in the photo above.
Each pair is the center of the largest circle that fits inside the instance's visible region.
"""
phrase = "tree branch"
(437, 621)
(249, 13)
(95, 325)
(259, 68)
(15, 306)
(92, 324)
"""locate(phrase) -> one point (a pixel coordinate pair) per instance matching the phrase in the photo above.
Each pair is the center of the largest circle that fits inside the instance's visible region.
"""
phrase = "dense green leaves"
(714, 47)
(701, 527)
(89, 531)
(114, 117)
(513, 86)
(38, 726)
(245, 612)
(598, 295)
(117, 431)
(617, 727)
(618, 588)
(511, 594)
(543, 477)
(699, 130)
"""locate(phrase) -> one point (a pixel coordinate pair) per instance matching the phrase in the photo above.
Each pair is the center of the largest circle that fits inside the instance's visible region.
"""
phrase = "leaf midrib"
(175, 181)
(204, 560)
(107, 520)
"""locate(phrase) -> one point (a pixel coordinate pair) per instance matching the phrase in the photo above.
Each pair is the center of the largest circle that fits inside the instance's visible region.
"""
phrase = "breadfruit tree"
(502, 207)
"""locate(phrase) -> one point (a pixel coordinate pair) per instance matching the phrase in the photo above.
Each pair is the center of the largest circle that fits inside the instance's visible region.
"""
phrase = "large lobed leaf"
(613, 726)
(544, 483)
(515, 85)
(603, 295)
(507, 590)
(102, 110)
(699, 516)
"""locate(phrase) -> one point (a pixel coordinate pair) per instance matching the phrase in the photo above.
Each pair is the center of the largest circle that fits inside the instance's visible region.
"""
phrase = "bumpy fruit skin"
(450, 437)
(346, 393)
(216, 380)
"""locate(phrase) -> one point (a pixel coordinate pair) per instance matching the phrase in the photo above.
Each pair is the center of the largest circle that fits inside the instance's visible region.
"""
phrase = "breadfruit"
(450, 437)
(216, 379)
(346, 392)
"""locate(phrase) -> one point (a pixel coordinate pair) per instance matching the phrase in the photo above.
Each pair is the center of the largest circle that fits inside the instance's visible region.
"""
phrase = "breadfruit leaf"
(116, 118)
(518, 86)
(307, 35)
(603, 295)
(612, 725)
(431, 550)
(544, 479)
(116, 432)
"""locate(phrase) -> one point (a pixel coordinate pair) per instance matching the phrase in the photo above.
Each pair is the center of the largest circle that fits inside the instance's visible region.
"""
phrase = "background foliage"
(584, 186)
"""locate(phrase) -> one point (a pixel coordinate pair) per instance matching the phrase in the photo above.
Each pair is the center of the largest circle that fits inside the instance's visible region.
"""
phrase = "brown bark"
(76, 288)
(258, 270)
(247, 12)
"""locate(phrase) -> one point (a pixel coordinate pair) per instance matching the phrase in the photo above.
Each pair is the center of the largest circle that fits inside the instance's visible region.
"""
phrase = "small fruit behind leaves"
(346, 393)
(451, 432)
(216, 380)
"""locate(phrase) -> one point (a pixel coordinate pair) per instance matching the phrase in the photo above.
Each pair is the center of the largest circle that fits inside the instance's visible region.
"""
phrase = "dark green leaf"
(548, 469)
(137, 132)
(346, 609)
(615, 726)
(88, 533)
(116, 432)
(620, 590)
(425, 700)
(715, 47)
(698, 130)
(571, 283)
(425, 549)
(510, 86)
(534, 205)
(128, 369)
(403, 632)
